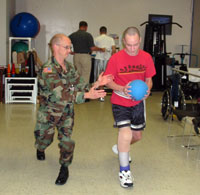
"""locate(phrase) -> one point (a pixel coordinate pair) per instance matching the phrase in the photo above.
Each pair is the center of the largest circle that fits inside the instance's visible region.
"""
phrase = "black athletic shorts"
(134, 116)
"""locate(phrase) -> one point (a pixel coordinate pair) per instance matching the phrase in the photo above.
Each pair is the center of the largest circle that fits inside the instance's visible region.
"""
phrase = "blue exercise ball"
(24, 25)
(138, 89)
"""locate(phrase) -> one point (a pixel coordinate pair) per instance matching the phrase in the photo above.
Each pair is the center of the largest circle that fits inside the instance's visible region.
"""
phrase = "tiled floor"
(160, 165)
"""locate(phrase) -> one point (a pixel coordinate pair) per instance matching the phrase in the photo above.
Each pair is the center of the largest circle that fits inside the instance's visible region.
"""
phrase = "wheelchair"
(173, 96)
(174, 100)
(179, 88)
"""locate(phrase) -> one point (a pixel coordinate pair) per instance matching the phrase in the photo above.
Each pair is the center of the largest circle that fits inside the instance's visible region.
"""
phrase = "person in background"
(101, 58)
(83, 45)
(131, 63)
(59, 87)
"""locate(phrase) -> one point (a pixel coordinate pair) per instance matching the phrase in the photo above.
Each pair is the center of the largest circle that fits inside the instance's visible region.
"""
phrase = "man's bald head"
(131, 31)
(57, 39)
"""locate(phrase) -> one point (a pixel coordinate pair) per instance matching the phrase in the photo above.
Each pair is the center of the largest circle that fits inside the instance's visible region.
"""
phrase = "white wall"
(64, 15)
(3, 32)
(7, 8)
(196, 35)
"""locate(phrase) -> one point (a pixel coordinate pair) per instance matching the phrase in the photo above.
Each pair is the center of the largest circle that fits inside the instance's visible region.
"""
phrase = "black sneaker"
(40, 155)
(63, 176)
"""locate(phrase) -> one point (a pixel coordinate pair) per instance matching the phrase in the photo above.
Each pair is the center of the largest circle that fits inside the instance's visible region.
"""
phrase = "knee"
(125, 136)
(137, 137)
(44, 136)
(67, 148)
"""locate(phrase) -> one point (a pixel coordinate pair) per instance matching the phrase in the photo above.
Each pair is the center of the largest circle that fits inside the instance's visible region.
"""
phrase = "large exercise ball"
(138, 89)
(20, 47)
(24, 25)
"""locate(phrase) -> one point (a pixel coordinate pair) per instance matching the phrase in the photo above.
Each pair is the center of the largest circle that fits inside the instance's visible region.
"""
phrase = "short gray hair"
(131, 31)
(56, 39)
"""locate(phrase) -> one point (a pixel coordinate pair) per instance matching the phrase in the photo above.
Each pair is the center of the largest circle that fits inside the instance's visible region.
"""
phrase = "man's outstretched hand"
(94, 94)
(103, 80)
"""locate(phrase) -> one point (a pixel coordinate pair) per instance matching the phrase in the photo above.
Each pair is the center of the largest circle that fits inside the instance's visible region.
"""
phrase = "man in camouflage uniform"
(59, 87)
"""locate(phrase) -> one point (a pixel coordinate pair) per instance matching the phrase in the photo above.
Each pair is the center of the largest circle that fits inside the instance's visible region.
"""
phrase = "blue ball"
(24, 25)
(138, 89)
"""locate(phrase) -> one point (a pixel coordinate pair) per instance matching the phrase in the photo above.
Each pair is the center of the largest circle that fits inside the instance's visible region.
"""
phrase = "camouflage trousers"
(47, 120)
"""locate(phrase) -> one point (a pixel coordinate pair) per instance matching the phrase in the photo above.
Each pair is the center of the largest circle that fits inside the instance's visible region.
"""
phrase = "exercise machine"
(155, 44)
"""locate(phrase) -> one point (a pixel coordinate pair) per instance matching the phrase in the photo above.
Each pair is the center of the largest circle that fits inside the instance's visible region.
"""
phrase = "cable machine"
(155, 44)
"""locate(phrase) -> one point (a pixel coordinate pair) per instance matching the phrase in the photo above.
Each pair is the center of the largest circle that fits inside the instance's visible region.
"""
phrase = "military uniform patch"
(47, 70)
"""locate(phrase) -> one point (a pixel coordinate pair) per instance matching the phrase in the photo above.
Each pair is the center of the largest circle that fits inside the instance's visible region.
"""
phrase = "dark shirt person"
(83, 46)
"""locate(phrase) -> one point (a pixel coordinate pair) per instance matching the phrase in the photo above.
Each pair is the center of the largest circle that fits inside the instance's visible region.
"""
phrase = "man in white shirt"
(101, 58)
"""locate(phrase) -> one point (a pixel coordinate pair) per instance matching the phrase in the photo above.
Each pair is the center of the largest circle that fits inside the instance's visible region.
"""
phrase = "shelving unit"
(12, 40)
(20, 90)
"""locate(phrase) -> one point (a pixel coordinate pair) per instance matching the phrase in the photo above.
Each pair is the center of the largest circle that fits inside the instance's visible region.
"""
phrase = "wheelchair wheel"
(166, 105)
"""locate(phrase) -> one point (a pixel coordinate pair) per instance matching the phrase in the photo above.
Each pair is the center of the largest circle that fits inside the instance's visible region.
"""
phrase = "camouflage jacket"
(58, 88)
